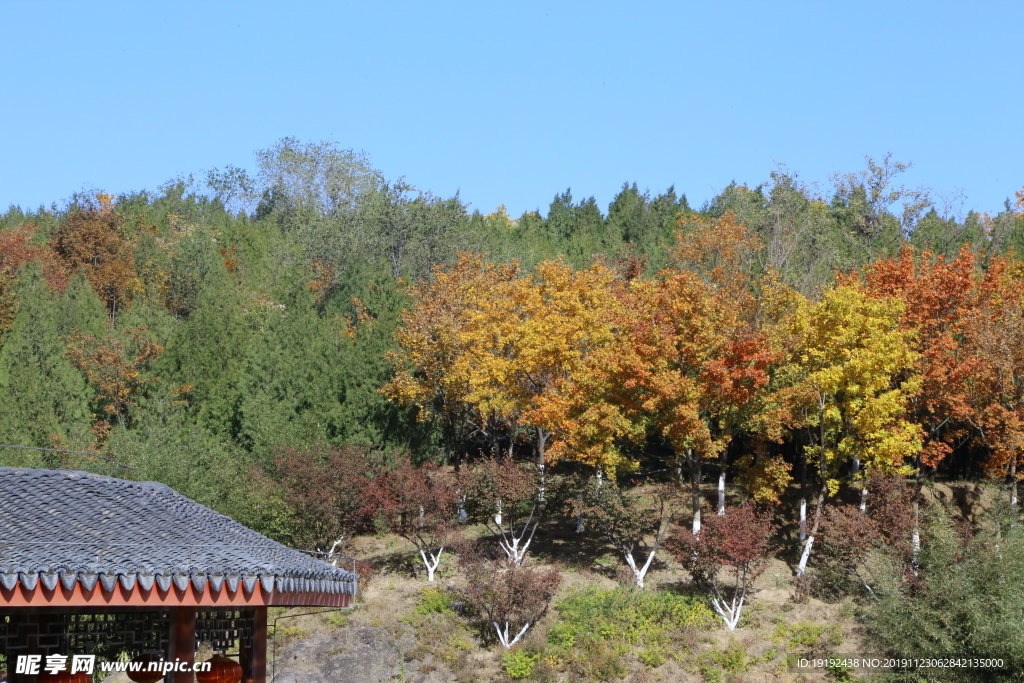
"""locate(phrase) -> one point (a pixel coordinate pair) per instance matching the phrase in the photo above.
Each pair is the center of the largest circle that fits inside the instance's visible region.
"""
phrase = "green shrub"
(734, 658)
(840, 673)
(519, 663)
(805, 635)
(629, 615)
(596, 628)
(965, 601)
(338, 619)
(434, 601)
(652, 656)
(712, 674)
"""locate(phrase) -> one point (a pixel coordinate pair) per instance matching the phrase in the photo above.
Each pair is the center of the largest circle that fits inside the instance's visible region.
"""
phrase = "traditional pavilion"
(90, 564)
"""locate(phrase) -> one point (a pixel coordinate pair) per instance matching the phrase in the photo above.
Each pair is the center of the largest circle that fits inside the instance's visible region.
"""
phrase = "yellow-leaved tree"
(431, 370)
(495, 352)
(846, 380)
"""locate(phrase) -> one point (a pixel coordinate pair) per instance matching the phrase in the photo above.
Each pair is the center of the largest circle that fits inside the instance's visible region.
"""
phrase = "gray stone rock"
(356, 654)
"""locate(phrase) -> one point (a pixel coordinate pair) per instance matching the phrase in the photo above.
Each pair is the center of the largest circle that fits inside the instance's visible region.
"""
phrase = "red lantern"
(222, 670)
(143, 674)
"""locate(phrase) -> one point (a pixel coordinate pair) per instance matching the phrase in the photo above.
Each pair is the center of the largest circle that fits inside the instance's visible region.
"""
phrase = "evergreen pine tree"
(46, 400)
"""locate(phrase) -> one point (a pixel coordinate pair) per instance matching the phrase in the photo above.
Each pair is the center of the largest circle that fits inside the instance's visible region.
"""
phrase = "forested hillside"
(192, 332)
(320, 351)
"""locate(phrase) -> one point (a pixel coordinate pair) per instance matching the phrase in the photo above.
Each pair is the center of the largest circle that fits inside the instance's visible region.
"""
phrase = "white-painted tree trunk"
(721, 492)
(803, 519)
(639, 572)
(915, 537)
(695, 479)
(729, 611)
(864, 499)
(432, 563)
(802, 567)
(515, 547)
(330, 553)
(515, 552)
(541, 484)
(1013, 484)
(503, 635)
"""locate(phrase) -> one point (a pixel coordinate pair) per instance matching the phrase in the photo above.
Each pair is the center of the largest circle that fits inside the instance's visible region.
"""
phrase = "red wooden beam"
(19, 596)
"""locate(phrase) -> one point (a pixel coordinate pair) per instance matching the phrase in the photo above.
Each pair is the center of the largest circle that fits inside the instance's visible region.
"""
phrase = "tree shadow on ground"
(557, 541)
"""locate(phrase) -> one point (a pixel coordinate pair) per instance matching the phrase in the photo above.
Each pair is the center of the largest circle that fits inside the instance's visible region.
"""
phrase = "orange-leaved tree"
(432, 367)
(536, 336)
(496, 351)
(939, 300)
(994, 339)
(115, 364)
(94, 238)
(697, 359)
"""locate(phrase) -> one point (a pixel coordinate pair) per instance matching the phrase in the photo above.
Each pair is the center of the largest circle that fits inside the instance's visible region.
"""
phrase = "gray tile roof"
(70, 526)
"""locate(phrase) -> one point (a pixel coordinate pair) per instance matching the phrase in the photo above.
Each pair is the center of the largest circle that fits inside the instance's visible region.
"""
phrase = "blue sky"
(511, 103)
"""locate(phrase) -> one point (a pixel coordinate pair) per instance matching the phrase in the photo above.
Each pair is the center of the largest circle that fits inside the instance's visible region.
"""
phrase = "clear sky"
(511, 103)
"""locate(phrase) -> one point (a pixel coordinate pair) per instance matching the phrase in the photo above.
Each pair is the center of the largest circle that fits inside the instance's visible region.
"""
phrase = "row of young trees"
(344, 492)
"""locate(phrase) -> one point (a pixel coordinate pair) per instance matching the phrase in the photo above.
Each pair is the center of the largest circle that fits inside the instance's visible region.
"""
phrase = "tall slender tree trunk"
(542, 440)
(803, 497)
(1013, 483)
(722, 463)
(822, 492)
(915, 537)
(809, 542)
(695, 477)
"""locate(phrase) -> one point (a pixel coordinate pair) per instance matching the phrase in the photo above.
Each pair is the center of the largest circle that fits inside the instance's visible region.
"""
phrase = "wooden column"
(183, 643)
(254, 659)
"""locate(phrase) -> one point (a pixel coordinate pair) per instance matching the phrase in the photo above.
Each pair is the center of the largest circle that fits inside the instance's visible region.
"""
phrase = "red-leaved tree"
(634, 522)
(419, 504)
(503, 495)
(325, 487)
(727, 556)
(887, 525)
(512, 596)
